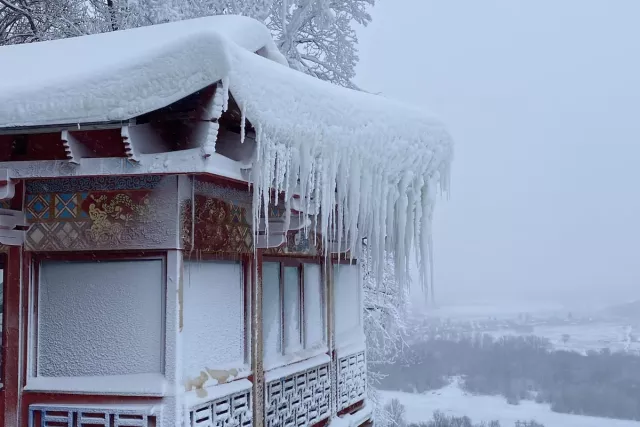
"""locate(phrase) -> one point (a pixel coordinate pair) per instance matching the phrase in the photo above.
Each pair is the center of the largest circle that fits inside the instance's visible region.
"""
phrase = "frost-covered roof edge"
(119, 75)
(381, 162)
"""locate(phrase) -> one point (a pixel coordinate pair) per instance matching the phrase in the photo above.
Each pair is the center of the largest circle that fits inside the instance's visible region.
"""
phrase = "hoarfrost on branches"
(385, 315)
(318, 37)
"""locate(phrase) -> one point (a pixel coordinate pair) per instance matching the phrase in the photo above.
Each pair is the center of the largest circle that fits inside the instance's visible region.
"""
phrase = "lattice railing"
(94, 416)
(352, 379)
(299, 400)
(234, 410)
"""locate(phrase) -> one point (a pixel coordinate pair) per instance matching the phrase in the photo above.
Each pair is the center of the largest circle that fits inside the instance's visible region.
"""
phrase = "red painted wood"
(11, 339)
(10, 396)
(101, 142)
(3, 257)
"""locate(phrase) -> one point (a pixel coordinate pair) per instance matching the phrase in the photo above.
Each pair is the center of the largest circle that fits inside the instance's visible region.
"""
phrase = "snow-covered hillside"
(451, 400)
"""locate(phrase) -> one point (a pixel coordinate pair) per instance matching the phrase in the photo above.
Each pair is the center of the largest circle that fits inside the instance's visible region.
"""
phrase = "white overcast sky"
(543, 100)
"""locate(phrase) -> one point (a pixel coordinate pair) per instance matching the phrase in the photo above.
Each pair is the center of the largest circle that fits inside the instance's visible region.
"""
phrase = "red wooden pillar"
(257, 340)
(11, 339)
(11, 328)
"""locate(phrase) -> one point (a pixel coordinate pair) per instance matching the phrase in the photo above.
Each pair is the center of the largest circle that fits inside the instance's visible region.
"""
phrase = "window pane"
(271, 311)
(347, 299)
(292, 310)
(213, 300)
(100, 318)
(313, 306)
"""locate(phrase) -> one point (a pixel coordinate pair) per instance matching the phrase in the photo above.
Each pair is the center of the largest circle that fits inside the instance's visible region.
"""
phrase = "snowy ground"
(453, 401)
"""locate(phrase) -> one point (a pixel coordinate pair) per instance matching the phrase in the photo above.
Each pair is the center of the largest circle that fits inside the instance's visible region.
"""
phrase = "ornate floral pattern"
(101, 213)
(219, 227)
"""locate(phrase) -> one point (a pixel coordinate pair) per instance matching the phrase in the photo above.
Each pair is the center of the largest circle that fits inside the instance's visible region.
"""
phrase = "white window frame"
(305, 346)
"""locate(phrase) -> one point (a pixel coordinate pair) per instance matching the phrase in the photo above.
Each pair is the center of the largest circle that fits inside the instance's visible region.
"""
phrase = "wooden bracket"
(130, 147)
(72, 147)
(7, 187)
(13, 227)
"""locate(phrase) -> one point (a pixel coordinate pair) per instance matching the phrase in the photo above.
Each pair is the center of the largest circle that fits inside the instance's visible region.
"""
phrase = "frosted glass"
(313, 305)
(347, 298)
(292, 310)
(271, 311)
(213, 310)
(100, 318)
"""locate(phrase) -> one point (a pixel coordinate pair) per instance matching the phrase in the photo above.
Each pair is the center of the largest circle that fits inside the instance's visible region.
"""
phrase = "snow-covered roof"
(122, 74)
(381, 162)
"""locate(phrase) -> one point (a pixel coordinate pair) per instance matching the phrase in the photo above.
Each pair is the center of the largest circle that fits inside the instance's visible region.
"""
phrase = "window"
(99, 318)
(292, 308)
(214, 316)
(347, 294)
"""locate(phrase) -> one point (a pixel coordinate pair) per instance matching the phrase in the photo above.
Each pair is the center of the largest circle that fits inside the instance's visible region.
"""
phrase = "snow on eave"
(379, 161)
(119, 75)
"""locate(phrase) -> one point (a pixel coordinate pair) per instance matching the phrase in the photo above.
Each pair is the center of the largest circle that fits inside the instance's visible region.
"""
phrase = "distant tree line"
(397, 416)
(600, 383)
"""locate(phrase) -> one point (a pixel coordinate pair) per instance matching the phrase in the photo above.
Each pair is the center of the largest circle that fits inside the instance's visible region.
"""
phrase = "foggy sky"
(542, 98)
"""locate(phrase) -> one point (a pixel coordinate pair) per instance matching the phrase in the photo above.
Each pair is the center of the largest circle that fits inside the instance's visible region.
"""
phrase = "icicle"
(243, 125)
(225, 93)
(356, 179)
(193, 213)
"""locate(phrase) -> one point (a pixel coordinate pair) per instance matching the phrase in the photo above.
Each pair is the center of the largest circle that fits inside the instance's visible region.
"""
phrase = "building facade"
(180, 215)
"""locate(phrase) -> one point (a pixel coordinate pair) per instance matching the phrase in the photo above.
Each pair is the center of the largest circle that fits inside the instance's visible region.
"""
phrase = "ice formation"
(371, 166)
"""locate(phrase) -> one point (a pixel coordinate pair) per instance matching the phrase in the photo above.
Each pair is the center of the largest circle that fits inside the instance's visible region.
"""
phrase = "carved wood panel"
(234, 410)
(87, 416)
(299, 400)
(352, 379)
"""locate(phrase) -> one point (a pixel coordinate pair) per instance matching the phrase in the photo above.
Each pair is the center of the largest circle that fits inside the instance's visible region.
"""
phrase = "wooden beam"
(170, 163)
(269, 240)
(25, 130)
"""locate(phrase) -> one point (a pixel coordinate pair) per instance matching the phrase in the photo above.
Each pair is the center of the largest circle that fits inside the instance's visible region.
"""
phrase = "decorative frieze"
(95, 416)
(352, 379)
(234, 410)
(299, 400)
(101, 213)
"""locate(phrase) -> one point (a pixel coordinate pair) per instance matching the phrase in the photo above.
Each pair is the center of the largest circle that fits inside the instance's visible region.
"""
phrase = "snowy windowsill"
(208, 394)
(350, 343)
(133, 385)
(285, 371)
(275, 362)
